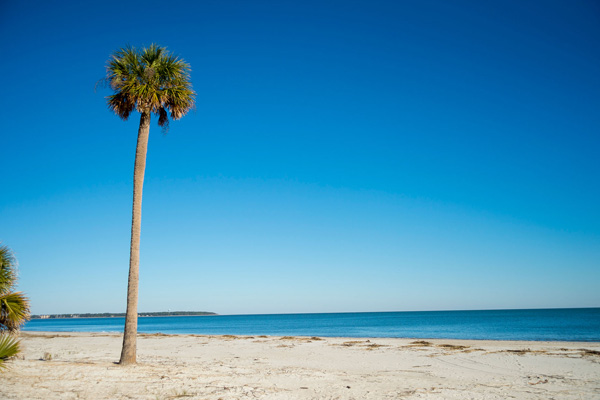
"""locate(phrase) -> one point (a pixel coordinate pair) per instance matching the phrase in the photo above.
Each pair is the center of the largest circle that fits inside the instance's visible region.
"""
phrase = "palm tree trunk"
(128, 353)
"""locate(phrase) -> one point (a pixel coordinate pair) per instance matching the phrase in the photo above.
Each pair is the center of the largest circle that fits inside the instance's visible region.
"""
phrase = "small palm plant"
(14, 306)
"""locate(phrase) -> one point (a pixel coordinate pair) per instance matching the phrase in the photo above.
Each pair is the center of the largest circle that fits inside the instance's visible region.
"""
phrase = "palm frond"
(9, 347)
(8, 269)
(121, 104)
(14, 311)
(163, 119)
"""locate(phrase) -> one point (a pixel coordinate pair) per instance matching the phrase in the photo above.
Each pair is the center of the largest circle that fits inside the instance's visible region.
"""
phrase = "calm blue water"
(582, 324)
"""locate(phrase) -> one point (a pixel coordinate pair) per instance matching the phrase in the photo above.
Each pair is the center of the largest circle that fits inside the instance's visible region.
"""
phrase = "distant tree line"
(107, 315)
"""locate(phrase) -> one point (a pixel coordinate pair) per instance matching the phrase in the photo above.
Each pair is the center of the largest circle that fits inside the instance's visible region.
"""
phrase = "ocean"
(573, 324)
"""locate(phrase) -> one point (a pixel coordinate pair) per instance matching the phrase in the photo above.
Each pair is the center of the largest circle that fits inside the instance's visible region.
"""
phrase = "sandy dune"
(82, 366)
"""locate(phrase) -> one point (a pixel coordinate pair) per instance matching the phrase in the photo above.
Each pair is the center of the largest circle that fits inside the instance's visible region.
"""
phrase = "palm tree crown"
(150, 80)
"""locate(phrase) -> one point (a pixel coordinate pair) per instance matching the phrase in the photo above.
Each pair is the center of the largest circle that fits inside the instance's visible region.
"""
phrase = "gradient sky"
(343, 156)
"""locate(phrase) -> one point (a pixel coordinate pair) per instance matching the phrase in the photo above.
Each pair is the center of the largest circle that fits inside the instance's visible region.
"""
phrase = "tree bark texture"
(128, 353)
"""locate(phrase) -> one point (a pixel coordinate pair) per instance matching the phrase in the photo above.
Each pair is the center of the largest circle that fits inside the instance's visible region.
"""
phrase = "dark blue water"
(581, 324)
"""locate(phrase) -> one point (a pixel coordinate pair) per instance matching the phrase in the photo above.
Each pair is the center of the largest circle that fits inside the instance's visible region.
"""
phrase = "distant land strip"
(114, 315)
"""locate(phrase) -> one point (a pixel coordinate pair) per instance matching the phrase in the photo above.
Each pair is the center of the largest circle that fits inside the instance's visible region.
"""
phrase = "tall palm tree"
(151, 81)
(14, 306)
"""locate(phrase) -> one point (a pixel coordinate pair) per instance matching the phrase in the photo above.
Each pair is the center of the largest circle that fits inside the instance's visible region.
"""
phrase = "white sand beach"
(82, 366)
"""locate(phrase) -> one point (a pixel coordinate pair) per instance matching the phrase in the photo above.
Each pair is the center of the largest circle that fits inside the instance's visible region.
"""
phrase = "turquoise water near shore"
(574, 324)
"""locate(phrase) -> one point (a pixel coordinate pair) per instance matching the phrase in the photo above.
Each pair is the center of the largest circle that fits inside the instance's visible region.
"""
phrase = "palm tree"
(151, 81)
(14, 306)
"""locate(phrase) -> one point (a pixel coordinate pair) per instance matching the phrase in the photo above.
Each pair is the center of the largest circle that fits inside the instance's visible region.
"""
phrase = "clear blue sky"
(343, 156)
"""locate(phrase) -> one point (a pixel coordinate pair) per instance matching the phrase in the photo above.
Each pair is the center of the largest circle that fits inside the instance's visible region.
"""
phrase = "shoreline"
(25, 333)
(57, 365)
